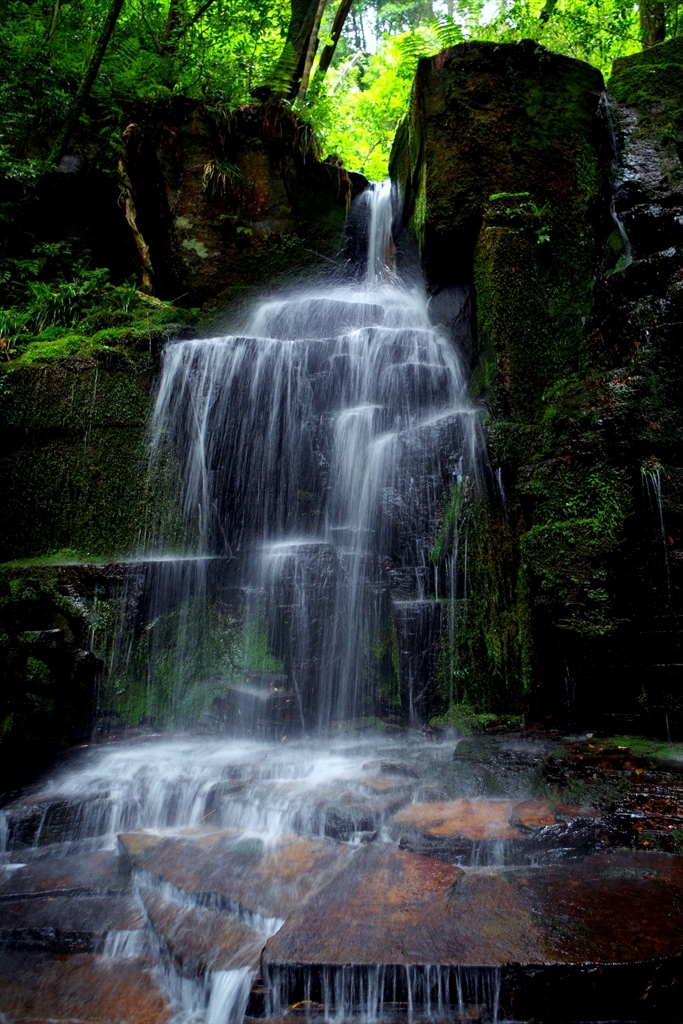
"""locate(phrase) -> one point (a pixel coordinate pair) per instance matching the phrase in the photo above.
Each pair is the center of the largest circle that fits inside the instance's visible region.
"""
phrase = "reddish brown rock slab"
(269, 880)
(472, 819)
(532, 814)
(393, 907)
(97, 872)
(79, 989)
(198, 939)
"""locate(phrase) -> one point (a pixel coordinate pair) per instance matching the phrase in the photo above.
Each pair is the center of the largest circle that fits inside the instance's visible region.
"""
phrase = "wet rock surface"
(197, 939)
(519, 893)
(38, 988)
(417, 910)
(238, 871)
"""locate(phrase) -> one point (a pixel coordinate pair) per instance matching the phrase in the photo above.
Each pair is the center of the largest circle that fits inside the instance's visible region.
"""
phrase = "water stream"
(315, 450)
(298, 851)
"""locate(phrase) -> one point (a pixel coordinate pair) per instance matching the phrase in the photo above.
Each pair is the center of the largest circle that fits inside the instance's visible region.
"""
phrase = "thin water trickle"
(609, 110)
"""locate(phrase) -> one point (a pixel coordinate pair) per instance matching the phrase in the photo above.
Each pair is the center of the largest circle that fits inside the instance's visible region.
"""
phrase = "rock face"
(48, 673)
(74, 460)
(504, 163)
(500, 164)
(231, 201)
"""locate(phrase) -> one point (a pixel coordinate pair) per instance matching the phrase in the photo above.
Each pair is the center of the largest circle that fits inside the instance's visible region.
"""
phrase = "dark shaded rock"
(59, 492)
(66, 924)
(228, 203)
(391, 768)
(574, 589)
(647, 88)
(48, 674)
(494, 133)
(639, 796)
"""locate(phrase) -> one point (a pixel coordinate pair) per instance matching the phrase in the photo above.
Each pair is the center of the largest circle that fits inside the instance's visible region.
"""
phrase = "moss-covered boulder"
(501, 169)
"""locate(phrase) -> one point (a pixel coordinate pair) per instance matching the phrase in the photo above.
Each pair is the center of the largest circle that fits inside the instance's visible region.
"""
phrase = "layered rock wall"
(505, 163)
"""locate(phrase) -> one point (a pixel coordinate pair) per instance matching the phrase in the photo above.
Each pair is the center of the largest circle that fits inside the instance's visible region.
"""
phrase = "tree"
(83, 94)
(302, 26)
(311, 49)
(335, 35)
(652, 22)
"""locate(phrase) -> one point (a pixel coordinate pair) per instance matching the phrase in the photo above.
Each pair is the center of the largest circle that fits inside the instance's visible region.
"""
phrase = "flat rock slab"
(269, 880)
(472, 819)
(477, 832)
(94, 873)
(484, 820)
(392, 907)
(198, 939)
(84, 989)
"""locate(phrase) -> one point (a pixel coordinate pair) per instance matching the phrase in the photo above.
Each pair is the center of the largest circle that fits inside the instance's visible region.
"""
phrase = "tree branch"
(335, 35)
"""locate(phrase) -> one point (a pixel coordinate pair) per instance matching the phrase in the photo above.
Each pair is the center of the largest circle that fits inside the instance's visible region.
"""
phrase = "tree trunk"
(335, 35)
(53, 24)
(170, 40)
(298, 35)
(652, 22)
(310, 50)
(83, 94)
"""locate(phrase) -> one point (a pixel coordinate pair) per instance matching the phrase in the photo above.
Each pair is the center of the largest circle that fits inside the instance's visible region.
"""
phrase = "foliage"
(222, 51)
(48, 293)
(464, 718)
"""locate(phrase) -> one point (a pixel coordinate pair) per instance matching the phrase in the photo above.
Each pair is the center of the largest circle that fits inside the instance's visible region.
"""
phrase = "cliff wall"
(557, 207)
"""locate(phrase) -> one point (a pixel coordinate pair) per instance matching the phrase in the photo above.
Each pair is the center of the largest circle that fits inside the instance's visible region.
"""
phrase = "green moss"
(450, 518)
(481, 656)
(40, 351)
(645, 746)
(462, 717)
(106, 331)
(387, 664)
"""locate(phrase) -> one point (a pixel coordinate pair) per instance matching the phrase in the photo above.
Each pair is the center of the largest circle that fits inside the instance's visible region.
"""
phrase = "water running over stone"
(315, 449)
(203, 878)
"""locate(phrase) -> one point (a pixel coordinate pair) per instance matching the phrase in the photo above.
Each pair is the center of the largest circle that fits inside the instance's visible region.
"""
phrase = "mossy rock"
(74, 458)
(500, 166)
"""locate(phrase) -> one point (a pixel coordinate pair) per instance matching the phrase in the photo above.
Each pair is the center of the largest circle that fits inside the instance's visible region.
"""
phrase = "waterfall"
(315, 448)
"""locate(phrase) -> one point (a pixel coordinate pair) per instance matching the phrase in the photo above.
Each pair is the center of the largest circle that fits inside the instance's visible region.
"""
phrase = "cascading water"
(316, 451)
(315, 448)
